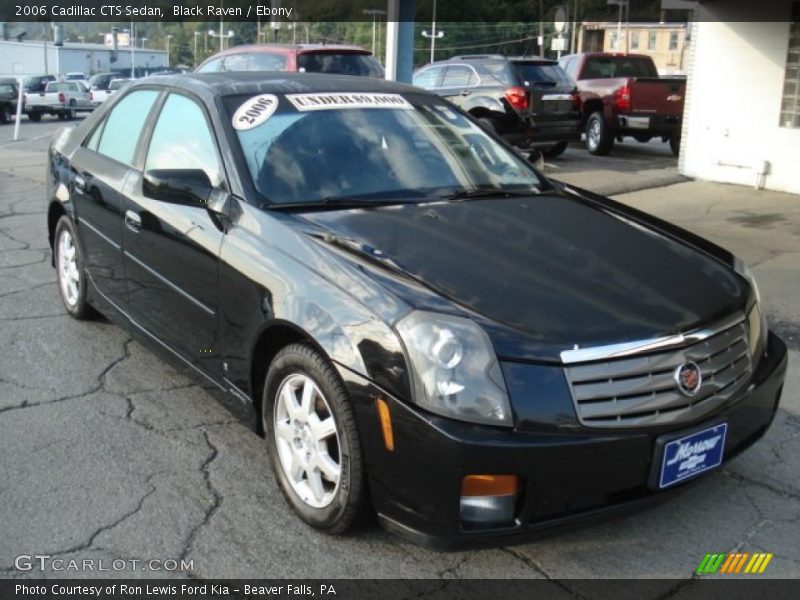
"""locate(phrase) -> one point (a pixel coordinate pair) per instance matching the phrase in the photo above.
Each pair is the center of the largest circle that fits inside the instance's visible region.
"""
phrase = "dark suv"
(9, 93)
(530, 102)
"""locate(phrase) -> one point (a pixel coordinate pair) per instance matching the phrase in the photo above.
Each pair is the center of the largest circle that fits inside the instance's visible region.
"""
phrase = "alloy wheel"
(307, 440)
(593, 134)
(68, 275)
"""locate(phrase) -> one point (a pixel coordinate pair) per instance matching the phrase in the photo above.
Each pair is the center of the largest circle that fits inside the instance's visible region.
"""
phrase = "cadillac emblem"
(689, 378)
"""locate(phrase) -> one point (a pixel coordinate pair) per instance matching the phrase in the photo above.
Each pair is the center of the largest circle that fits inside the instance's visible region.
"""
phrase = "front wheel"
(69, 267)
(599, 139)
(313, 443)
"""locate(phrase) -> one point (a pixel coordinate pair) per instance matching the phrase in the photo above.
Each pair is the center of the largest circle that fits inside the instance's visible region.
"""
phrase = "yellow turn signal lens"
(386, 424)
(490, 485)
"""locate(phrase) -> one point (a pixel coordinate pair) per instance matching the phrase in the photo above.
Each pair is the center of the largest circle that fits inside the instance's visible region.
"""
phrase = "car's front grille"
(642, 389)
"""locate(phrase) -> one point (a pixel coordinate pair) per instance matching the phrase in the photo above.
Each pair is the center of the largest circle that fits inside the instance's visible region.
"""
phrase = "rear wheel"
(557, 150)
(599, 139)
(642, 138)
(62, 116)
(488, 124)
(675, 144)
(313, 443)
(35, 116)
(5, 114)
(69, 268)
(72, 114)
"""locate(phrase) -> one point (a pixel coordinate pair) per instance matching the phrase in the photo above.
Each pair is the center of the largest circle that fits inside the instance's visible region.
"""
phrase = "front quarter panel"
(271, 274)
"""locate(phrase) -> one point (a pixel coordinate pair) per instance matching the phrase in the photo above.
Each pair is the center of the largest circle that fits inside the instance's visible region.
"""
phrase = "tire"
(642, 138)
(35, 116)
(297, 446)
(488, 124)
(599, 139)
(555, 151)
(62, 116)
(675, 144)
(72, 114)
(70, 270)
(5, 114)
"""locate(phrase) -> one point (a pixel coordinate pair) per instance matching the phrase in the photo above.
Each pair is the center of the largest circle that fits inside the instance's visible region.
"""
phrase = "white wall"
(733, 105)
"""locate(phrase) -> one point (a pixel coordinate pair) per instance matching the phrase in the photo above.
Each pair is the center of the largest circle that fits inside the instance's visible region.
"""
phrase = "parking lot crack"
(528, 561)
(205, 469)
(748, 480)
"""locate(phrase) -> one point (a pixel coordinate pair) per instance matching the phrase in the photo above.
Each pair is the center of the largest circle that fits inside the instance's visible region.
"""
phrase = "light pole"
(143, 40)
(222, 38)
(205, 44)
(374, 12)
(196, 33)
(132, 43)
(433, 35)
(169, 37)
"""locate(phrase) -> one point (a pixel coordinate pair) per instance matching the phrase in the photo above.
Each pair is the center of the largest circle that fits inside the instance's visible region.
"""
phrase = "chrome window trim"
(579, 355)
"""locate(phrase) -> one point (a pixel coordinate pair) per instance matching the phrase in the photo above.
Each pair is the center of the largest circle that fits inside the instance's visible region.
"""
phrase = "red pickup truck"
(622, 94)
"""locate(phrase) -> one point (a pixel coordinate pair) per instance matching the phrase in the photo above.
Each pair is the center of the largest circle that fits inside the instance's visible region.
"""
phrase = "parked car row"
(537, 103)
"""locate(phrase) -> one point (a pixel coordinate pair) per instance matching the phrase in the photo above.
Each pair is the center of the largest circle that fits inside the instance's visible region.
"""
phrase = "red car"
(310, 58)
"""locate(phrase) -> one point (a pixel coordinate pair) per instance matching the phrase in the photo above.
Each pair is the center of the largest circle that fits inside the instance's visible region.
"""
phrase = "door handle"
(465, 93)
(133, 221)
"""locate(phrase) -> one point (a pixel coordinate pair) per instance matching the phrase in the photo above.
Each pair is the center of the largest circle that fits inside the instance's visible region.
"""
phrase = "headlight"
(756, 318)
(454, 368)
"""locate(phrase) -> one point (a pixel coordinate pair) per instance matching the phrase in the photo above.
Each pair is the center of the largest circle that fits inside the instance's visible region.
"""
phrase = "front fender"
(272, 274)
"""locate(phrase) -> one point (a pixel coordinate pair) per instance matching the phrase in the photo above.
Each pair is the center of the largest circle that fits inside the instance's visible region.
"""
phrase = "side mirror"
(191, 187)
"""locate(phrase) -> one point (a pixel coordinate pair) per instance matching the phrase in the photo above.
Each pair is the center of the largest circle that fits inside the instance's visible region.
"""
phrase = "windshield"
(544, 73)
(117, 84)
(344, 63)
(412, 148)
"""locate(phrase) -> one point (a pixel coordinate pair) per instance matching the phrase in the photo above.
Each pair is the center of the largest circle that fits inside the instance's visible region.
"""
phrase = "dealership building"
(22, 58)
(742, 113)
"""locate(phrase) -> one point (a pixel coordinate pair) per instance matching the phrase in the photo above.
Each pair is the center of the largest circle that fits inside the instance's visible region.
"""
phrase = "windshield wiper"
(490, 193)
(335, 202)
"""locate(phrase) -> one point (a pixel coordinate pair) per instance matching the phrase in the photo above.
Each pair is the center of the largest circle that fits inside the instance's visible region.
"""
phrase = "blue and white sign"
(691, 455)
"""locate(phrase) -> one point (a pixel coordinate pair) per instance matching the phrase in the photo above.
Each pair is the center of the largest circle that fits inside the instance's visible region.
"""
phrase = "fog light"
(488, 499)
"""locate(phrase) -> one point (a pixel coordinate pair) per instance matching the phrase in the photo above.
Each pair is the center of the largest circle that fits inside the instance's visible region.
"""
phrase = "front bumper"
(568, 476)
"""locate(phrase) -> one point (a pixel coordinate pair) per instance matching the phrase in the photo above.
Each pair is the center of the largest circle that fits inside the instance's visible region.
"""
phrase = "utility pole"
(541, 28)
(46, 71)
(221, 29)
(374, 12)
(434, 35)
(133, 52)
(169, 37)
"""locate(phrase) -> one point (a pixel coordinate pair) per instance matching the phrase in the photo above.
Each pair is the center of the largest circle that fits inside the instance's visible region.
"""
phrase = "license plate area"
(686, 456)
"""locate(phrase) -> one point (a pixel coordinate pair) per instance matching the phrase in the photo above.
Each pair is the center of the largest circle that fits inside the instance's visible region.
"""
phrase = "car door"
(172, 243)
(458, 84)
(101, 167)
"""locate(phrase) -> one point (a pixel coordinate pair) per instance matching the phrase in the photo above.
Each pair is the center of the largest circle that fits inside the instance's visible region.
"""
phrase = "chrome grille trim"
(635, 390)
(576, 354)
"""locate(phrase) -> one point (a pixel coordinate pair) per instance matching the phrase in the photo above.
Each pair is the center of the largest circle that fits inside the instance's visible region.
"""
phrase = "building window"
(614, 40)
(651, 40)
(790, 103)
(634, 40)
(673, 41)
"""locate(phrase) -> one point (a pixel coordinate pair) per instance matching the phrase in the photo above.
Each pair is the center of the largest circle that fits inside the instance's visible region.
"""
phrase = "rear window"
(7, 88)
(362, 65)
(254, 61)
(604, 67)
(533, 73)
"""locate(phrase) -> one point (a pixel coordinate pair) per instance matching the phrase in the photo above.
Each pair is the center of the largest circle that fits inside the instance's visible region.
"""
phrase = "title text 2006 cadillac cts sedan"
(429, 329)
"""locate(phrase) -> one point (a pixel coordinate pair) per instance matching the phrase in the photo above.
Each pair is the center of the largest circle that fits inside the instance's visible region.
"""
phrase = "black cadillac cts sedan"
(428, 328)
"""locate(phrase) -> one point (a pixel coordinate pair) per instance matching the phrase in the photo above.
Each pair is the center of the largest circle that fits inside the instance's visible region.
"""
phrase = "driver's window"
(182, 140)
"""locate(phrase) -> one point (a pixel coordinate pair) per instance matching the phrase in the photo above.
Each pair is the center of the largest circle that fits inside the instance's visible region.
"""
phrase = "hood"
(551, 269)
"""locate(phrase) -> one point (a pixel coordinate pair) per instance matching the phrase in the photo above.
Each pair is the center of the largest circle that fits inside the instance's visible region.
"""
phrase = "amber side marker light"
(386, 424)
(489, 499)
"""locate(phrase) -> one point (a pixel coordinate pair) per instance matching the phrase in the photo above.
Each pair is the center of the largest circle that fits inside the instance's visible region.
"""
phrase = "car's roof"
(291, 48)
(212, 85)
(608, 55)
(8, 80)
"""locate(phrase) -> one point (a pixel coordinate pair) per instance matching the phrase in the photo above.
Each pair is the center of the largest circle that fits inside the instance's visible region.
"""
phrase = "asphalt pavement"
(106, 452)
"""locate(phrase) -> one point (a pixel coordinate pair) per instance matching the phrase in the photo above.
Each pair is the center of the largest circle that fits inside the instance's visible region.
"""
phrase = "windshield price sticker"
(255, 111)
(306, 102)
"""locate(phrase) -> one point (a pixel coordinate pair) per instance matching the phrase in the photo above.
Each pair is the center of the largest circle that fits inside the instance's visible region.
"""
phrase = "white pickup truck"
(100, 96)
(60, 98)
